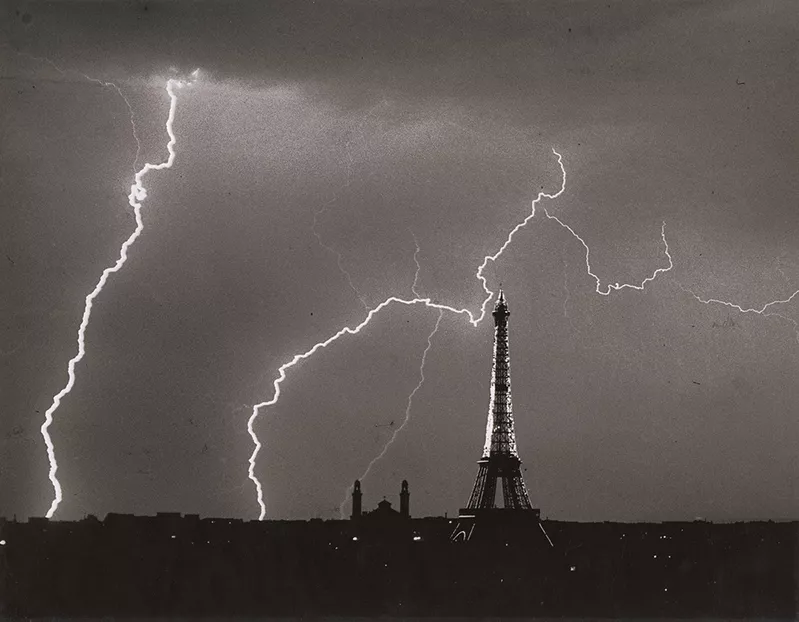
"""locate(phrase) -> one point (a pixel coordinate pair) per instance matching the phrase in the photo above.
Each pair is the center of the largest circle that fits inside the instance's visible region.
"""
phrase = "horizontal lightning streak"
(427, 302)
(761, 311)
(137, 194)
(407, 411)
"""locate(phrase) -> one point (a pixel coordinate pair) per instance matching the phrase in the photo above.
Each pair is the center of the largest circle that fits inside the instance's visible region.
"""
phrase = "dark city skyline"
(328, 159)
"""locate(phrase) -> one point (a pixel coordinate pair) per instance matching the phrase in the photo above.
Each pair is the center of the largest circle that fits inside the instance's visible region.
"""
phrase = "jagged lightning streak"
(325, 207)
(474, 320)
(418, 266)
(104, 83)
(138, 193)
(339, 256)
(509, 239)
(761, 311)
(408, 406)
(615, 286)
(307, 354)
(416, 293)
(522, 224)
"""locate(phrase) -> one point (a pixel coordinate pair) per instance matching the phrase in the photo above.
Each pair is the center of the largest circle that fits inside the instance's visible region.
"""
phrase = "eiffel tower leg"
(478, 492)
(519, 496)
(490, 490)
(508, 492)
(524, 498)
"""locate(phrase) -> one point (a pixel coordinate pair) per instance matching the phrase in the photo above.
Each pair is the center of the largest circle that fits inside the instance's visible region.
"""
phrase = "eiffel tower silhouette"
(500, 459)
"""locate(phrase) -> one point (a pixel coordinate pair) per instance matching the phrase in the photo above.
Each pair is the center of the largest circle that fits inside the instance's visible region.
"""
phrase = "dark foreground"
(170, 565)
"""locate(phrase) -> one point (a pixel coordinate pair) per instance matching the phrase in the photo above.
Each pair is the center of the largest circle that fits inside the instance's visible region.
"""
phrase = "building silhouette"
(173, 565)
(384, 511)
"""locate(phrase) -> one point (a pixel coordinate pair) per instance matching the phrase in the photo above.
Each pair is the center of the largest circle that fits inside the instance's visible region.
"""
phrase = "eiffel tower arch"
(499, 463)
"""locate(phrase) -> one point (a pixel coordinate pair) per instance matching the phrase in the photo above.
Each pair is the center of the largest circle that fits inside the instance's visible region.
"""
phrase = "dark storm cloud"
(390, 120)
(418, 48)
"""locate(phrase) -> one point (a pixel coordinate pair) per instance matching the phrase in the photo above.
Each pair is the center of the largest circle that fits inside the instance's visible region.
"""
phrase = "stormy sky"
(369, 124)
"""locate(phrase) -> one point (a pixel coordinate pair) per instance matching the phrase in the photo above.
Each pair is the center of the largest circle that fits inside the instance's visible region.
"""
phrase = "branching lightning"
(104, 83)
(326, 206)
(137, 195)
(408, 406)
(307, 354)
(761, 311)
(473, 319)
(415, 292)
(616, 286)
(339, 257)
(509, 239)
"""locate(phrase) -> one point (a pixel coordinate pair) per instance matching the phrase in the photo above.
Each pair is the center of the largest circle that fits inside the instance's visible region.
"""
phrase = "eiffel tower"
(500, 459)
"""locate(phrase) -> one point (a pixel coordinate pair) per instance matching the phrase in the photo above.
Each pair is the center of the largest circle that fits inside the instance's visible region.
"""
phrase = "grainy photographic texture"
(250, 253)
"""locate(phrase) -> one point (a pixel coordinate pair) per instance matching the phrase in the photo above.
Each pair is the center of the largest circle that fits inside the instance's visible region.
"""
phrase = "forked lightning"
(407, 418)
(138, 193)
(474, 319)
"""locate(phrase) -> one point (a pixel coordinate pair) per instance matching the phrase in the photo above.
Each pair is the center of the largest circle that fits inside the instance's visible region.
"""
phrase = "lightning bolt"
(137, 195)
(761, 311)
(427, 302)
(416, 293)
(104, 83)
(616, 286)
(473, 319)
(407, 412)
(418, 266)
(326, 206)
(509, 239)
(339, 257)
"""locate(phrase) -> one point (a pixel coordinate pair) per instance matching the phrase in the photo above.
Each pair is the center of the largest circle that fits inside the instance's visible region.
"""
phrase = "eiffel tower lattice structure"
(500, 460)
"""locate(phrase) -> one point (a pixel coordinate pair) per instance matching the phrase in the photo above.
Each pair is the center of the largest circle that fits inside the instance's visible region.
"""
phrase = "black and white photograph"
(399, 309)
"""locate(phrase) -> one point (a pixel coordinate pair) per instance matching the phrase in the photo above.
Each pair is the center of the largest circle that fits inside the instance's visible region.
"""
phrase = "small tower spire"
(405, 506)
(356, 499)
(500, 311)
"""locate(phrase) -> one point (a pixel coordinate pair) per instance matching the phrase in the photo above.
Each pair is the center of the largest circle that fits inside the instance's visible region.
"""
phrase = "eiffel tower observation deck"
(500, 459)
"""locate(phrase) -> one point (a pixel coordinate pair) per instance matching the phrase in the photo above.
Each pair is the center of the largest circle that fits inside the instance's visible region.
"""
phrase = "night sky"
(371, 124)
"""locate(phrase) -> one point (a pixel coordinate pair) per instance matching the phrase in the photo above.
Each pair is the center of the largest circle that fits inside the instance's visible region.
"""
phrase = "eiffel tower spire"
(500, 459)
